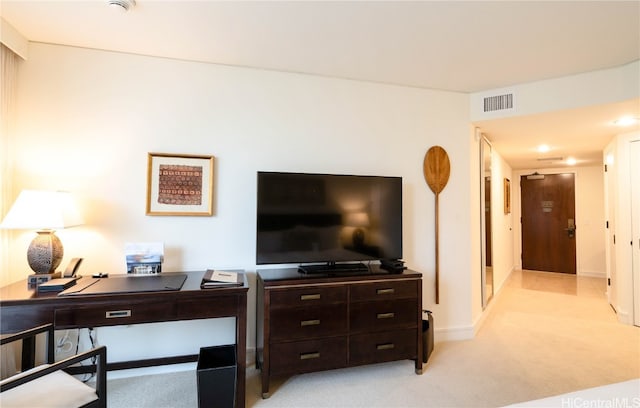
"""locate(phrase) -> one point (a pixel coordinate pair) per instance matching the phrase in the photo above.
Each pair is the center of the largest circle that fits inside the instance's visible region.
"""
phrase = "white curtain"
(8, 79)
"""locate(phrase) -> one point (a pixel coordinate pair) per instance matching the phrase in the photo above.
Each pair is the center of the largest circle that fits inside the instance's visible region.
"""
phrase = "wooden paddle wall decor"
(437, 168)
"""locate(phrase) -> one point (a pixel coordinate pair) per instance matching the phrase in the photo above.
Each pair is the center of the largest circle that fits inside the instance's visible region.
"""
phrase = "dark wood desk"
(22, 308)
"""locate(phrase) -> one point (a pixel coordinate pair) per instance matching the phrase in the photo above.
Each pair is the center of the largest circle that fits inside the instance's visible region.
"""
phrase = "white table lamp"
(45, 212)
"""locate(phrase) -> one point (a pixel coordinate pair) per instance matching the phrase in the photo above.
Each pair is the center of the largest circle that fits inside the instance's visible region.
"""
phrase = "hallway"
(552, 333)
(567, 284)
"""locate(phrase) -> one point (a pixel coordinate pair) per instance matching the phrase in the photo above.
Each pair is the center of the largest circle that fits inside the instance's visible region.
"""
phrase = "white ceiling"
(449, 45)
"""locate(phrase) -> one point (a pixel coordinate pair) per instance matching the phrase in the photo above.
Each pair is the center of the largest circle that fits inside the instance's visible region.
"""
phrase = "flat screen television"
(327, 222)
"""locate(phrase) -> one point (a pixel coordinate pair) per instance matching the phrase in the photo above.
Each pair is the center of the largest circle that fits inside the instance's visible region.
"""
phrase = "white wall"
(590, 218)
(620, 216)
(86, 120)
(569, 92)
(503, 260)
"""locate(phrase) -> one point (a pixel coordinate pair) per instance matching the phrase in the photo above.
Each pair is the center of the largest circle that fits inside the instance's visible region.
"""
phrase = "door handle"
(571, 229)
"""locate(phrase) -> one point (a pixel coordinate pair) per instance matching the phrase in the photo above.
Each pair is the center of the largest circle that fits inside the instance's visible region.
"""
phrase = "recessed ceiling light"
(571, 161)
(543, 148)
(626, 121)
(610, 159)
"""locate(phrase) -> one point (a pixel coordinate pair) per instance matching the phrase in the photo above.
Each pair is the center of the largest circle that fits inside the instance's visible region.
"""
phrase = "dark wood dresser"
(316, 322)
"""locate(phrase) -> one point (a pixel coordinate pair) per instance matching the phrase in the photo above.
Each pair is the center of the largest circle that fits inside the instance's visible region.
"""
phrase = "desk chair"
(49, 385)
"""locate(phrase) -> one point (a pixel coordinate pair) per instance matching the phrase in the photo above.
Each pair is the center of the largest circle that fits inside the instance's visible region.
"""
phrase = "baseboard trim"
(592, 274)
(624, 317)
(477, 324)
(453, 333)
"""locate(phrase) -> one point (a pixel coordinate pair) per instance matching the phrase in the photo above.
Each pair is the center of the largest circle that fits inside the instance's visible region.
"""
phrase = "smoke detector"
(122, 5)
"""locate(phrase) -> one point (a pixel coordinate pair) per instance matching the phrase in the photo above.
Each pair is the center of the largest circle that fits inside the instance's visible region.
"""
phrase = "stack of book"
(218, 279)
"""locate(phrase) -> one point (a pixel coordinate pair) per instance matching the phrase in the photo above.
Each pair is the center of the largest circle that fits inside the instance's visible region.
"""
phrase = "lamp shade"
(357, 219)
(42, 210)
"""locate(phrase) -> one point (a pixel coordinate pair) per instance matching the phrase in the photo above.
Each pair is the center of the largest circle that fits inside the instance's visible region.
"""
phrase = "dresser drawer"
(384, 290)
(308, 296)
(377, 316)
(304, 323)
(310, 355)
(383, 346)
(113, 315)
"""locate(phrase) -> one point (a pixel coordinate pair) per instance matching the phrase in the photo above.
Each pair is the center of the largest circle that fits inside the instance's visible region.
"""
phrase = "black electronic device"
(72, 268)
(327, 219)
(392, 265)
(57, 285)
(59, 282)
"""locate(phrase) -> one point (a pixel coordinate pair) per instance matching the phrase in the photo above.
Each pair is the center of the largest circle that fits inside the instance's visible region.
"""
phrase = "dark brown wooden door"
(548, 223)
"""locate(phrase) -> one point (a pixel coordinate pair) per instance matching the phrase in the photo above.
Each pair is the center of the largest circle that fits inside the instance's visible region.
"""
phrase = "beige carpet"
(546, 334)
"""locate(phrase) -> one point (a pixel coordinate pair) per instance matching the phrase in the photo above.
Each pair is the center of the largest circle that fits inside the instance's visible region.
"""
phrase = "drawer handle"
(388, 346)
(314, 322)
(388, 291)
(390, 315)
(315, 296)
(112, 314)
(309, 356)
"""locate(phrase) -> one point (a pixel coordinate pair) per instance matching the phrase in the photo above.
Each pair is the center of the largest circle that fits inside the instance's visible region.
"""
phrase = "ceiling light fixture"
(122, 5)
(543, 148)
(626, 121)
(571, 161)
(610, 159)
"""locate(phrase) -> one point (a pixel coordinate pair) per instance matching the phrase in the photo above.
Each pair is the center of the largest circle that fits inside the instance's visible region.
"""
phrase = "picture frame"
(179, 184)
(507, 196)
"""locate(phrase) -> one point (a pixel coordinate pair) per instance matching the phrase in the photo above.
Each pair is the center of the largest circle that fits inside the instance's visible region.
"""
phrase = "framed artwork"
(179, 184)
(507, 196)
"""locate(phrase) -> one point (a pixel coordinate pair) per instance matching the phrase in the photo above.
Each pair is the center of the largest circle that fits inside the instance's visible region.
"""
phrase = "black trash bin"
(217, 370)
(427, 336)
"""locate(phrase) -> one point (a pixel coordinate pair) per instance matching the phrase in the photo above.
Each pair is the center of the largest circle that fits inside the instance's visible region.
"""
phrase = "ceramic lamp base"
(45, 252)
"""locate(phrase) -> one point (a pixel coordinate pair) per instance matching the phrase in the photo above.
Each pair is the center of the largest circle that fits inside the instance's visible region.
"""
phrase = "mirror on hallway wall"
(485, 221)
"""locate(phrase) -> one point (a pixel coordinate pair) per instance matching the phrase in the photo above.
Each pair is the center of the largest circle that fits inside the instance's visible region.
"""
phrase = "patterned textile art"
(180, 185)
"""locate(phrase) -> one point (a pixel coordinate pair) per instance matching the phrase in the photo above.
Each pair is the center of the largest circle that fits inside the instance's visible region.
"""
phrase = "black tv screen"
(327, 218)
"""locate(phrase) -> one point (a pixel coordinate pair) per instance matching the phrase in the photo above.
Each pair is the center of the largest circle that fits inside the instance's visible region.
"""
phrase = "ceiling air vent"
(498, 102)
(550, 159)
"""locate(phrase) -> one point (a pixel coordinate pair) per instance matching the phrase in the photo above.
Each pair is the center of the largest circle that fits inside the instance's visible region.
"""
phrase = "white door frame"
(634, 168)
